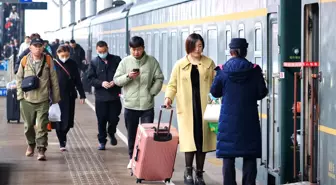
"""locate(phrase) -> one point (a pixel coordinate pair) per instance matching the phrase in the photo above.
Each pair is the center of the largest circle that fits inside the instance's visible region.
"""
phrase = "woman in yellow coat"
(190, 83)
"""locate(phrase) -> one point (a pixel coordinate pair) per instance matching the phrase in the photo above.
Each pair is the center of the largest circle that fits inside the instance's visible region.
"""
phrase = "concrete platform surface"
(82, 163)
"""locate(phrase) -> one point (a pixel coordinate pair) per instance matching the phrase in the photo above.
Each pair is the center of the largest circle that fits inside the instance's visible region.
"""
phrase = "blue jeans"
(249, 171)
(132, 121)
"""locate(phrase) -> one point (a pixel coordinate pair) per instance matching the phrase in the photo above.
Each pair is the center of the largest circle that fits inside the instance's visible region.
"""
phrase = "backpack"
(24, 60)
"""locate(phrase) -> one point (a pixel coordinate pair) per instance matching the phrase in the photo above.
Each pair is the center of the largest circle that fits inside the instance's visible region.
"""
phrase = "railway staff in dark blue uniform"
(240, 84)
(108, 105)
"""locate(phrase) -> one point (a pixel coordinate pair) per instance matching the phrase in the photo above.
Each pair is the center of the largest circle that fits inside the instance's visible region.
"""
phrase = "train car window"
(228, 36)
(257, 60)
(121, 45)
(165, 54)
(258, 41)
(117, 43)
(174, 47)
(114, 44)
(212, 44)
(156, 49)
(258, 45)
(184, 37)
(258, 38)
(241, 32)
(148, 44)
(198, 31)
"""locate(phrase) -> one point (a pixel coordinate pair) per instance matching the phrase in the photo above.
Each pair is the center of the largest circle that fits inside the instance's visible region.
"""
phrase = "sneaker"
(63, 149)
(41, 154)
(129, 166)
(30, 150)
(113, 141)
(101, 146)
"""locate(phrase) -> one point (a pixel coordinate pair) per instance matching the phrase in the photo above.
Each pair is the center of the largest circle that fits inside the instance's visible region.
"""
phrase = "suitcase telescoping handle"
(160, 115)
(166, 136)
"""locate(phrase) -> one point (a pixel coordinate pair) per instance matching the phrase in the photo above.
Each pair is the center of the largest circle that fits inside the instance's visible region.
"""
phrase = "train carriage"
(81, 34)
(281, 35)
(110, 26)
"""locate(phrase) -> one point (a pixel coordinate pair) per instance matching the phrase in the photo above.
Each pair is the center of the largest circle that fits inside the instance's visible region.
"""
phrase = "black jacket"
(24, 53)
(100, 72)
(78, 54)
(68, 85)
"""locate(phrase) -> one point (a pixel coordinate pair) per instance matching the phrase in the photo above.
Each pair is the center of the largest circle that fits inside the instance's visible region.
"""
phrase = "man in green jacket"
(141, 77)
(34, 101)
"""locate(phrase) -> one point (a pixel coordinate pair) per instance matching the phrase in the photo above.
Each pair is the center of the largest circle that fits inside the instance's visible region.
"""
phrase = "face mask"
(103, 56)
(64, 59)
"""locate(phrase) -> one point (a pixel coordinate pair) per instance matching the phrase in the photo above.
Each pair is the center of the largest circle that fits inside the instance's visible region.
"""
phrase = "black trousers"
(62, 134)
(107, 113)
(132, 121)
(249, 171)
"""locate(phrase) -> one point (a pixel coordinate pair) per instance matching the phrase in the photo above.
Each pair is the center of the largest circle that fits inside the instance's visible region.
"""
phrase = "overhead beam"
(56, 3)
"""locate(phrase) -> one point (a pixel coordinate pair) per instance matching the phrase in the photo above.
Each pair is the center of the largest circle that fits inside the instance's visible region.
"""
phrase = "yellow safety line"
(327, 130)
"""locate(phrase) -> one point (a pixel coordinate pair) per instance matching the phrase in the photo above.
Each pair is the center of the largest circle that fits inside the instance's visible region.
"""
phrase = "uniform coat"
(240, 84)
(68, 86)
(179, 86)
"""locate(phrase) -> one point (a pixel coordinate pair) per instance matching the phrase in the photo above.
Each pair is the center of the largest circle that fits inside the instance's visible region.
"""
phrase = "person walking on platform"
(108, 105)
(27, 51)
(241, 84)
(24, 45)
(141, 77)
(78, 54)
(190, 82)
(36, 80)
(69, 81)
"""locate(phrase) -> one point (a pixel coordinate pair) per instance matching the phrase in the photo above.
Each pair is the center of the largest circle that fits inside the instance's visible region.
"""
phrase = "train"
(291, 40)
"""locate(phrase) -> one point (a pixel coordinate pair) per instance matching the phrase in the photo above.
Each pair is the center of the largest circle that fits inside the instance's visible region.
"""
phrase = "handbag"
(32, 82)
(212, 110)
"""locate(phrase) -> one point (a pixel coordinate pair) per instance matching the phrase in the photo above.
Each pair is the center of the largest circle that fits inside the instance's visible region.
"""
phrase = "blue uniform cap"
(238, 43)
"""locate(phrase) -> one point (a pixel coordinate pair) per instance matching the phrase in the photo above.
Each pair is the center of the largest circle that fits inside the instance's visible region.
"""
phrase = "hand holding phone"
(136, 70)
(134, 73)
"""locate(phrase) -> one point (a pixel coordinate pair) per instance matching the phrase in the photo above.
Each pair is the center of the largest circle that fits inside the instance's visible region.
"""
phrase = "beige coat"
(47, 82)
(179, 86)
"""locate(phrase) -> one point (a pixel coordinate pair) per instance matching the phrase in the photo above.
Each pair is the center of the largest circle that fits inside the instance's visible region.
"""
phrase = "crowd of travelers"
(61, 69)
(9, 41)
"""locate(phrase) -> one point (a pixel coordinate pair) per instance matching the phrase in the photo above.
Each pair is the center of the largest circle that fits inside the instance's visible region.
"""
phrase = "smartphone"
(136, 70)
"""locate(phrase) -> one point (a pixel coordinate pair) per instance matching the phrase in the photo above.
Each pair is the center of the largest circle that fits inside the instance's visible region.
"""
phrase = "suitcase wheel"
(167, 180)
(18, 121)
(138, 181)
(8, 121)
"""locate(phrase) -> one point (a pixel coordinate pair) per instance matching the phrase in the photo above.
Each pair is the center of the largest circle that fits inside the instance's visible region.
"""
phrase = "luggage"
(13, 106)
(155, 151)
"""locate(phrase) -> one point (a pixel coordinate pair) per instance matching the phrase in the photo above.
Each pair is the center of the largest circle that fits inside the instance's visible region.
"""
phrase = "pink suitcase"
(155, 151)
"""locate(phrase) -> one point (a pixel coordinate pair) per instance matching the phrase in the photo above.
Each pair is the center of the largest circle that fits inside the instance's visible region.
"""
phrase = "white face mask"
(64, 59)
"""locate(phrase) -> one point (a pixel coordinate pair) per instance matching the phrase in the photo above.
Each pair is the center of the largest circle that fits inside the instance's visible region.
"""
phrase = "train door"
(272, 126)
(310, 79)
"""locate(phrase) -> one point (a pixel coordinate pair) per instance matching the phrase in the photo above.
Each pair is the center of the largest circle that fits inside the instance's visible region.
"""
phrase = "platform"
(82, 163)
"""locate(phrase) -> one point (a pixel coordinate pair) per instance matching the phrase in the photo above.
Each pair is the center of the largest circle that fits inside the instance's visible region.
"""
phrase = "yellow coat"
(179, 86)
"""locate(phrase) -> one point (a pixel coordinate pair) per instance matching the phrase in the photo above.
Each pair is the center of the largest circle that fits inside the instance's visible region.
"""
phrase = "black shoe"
(113, 141)
(199, 178)
(188, 176)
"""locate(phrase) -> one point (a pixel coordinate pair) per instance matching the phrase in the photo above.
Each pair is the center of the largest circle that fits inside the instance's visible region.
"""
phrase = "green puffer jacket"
(139, 93)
